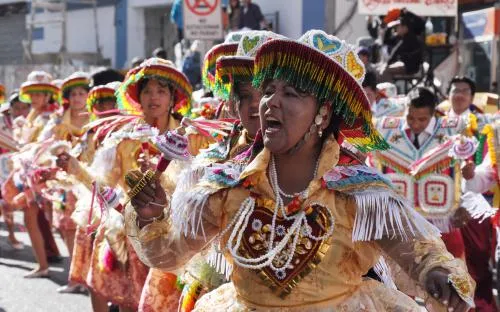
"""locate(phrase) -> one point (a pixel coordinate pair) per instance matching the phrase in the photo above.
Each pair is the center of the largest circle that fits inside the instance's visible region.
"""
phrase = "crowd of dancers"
(279, 187)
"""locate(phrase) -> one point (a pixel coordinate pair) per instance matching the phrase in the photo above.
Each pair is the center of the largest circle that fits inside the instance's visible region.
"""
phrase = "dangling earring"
(320, 118)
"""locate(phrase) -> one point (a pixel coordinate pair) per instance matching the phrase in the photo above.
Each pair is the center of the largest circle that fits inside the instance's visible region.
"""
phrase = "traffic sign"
(203, 19)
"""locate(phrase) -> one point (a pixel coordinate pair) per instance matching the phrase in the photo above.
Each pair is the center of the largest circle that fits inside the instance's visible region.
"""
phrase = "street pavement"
(34, 295)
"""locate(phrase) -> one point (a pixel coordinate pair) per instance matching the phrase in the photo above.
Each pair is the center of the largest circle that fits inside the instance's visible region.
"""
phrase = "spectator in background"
(177, 19)
(225, 19)
(160, 52)
(251, 16)
(234, 14)
(365, 55)
(105, 75)
(494, 87)
(370, 88)
(406, 48)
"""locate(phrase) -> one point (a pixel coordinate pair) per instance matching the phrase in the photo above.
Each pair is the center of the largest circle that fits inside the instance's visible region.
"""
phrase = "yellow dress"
(123, 283)
(368, 219)
(82, 250)
(60, 128)
(162, 291)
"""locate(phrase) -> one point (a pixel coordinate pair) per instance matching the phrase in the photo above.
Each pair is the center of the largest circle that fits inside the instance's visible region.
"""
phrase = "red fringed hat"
(154, 68)
(330, 70)
(38, 82)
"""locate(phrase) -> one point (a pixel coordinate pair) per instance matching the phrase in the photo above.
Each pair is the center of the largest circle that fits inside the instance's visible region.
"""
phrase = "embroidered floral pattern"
(345, 177)
(282, 275)
(225, 175)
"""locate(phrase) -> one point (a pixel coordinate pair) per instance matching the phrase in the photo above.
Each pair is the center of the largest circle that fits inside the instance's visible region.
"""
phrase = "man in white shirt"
(480, 179)
(410, 139)
(477, 235)
(461, 95)
(420, 121)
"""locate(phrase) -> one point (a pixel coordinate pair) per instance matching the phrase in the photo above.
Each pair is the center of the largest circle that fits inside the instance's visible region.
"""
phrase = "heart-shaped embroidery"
(308, 252)
(250, 43)
(235, 38)
(327, 45)
(354, 67)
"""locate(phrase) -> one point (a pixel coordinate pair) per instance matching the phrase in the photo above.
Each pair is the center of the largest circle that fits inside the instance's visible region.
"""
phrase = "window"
(38, 33)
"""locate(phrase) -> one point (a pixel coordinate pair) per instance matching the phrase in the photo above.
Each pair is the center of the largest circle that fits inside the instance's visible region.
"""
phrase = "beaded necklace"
(286, 247)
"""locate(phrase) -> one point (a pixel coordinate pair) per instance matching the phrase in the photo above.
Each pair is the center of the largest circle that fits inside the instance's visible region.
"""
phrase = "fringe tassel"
(382, 213)
(442, 223)
(319, 75)
(384, 272)
(230, 70)
(189, 296)
(187, 210)
(209, 63)
(189, 178)
(217, 260)
(103, 159)
(477, 206)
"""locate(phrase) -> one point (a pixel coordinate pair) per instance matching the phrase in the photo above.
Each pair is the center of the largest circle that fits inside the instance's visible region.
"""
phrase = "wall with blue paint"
(313, 14)
(121, 33)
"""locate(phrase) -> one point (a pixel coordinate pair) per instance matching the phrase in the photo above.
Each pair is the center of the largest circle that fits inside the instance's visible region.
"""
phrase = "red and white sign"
(419, 7)
(203, 19)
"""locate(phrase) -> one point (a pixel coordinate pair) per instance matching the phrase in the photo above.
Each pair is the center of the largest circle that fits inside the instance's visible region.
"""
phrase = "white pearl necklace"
(274, 172)
(299, 227)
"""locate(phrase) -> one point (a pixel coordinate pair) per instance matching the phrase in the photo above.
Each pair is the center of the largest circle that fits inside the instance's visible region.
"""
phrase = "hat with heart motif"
(229, 47)
(239, 67)
(329, 69)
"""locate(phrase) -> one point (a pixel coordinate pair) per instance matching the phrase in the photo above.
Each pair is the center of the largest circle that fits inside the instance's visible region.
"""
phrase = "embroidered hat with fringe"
(154, 68)
(239, 67)
(101, 94)
(330, 70)
(229, 47)
(38, 82)
(77, 79)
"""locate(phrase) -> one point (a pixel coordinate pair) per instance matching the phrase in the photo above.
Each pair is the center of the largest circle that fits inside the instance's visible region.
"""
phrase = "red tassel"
(162, 164)
(108, 259)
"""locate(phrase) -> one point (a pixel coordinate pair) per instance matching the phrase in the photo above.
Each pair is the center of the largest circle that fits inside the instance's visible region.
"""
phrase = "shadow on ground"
(24, 259)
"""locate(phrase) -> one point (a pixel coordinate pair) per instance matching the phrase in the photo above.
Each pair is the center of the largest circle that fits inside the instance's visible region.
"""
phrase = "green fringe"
(315, 73)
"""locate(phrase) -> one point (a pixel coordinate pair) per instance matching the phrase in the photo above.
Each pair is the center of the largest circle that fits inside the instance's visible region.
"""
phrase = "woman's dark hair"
(105, 75)
(68, 91)
(333, 128)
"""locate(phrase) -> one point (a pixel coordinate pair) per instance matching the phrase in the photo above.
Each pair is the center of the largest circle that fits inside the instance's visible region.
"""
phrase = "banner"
(481, 24)
(419, 7)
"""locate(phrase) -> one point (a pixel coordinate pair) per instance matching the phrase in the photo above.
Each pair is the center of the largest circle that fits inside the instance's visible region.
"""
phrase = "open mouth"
(273, 125)
(153, 106)
(254, 115)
